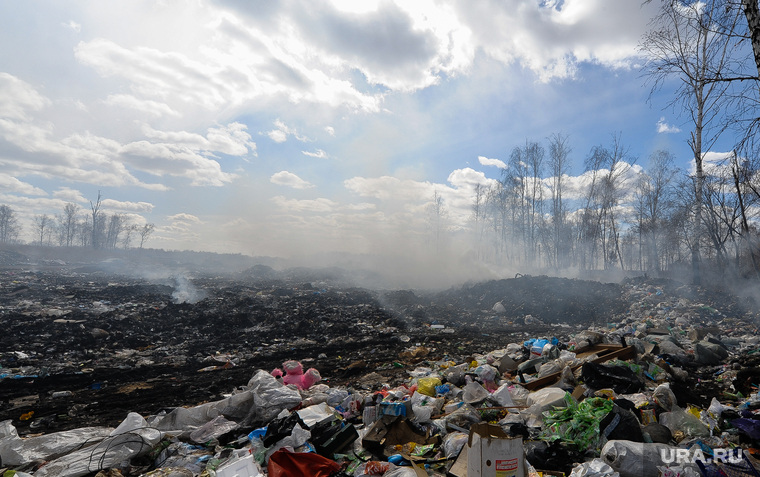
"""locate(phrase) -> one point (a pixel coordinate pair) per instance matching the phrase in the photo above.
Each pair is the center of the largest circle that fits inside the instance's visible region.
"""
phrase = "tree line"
(75, 227)
(616, 215)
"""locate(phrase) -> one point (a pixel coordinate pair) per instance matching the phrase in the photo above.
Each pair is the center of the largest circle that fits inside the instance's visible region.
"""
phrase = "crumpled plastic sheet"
(634, 459)
(474, 393)
(189, 419)
(461, 419)
(664, 397)
(679, 420)
(502, 396)
(132, 438)
(17, 451)
(453, 443)
(213, 429)
(593, 468)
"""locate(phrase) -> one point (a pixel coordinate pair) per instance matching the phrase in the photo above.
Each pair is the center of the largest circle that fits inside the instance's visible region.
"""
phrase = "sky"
(308, 127)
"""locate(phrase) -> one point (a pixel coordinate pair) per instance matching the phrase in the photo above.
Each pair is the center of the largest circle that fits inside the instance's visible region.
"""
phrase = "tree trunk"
(752, 13)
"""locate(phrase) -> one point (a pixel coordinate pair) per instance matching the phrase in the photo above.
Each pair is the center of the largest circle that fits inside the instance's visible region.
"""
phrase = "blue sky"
(307, 126)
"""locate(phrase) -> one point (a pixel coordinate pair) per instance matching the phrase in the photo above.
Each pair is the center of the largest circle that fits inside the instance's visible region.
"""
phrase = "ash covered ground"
(85, 344)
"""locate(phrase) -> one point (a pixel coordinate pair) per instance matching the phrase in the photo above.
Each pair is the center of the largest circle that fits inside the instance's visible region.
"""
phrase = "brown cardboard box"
(492, 453)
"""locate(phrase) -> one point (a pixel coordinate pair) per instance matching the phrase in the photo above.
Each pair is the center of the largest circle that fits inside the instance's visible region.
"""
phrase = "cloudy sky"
(306, 126)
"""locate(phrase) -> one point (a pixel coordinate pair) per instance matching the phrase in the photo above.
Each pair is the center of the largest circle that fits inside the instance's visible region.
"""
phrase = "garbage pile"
(668, 386)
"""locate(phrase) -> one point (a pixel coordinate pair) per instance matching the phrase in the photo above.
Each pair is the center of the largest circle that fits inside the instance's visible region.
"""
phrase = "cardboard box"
(492, 453)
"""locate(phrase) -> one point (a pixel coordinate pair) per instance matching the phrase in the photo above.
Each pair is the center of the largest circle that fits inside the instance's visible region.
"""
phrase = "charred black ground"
(82, 346)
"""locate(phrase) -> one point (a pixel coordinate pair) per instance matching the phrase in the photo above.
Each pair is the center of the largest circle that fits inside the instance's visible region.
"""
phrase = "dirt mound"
(549, 299)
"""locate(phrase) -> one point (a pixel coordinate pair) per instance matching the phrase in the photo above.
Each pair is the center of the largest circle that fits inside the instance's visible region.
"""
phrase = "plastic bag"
(235, 407)
(620, 378)
(486, 372)
(474, 393)
(427, 385)
(423, 407)
(566, 379)
(519, 394)
(132, 438)
(291, 464)
(213, 429)
(270, 398)
(635, 459)
(621, 424)
(664, 397)
(679, 420)
(749, 427)
(549, 368)
(453, 443)
(593, 468)
(462, 418)
(17, 451)
(503, 397)
(374, 467)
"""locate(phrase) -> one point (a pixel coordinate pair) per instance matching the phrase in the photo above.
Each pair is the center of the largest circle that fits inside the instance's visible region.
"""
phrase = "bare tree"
(116, 225)
(9, 227)
(97, 223)
(684, 43)
(478, 215)
(145, 231)
(653, 199)
(437, 215)
(559, 161)
(84, 231)
(608, 168)
(68, 223)
(43, 227)
(523, 180)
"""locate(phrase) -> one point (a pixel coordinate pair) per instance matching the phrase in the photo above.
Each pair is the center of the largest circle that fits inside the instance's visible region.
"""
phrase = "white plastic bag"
(17, 451)
(474, 393)
(132, 438)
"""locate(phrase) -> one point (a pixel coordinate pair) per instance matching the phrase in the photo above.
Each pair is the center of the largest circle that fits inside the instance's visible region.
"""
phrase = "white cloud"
(127, 206)
(715, 163)
(551, 39)
(282, 131)
(330, 130)
(18, 99)
(12, 184)
(175, 160)
(469, 178)
(319, 154)
(663, 127)
(484, 161)
(184, 220)
(285, 178)
(278, 135)
(232, 139)
(69, 195)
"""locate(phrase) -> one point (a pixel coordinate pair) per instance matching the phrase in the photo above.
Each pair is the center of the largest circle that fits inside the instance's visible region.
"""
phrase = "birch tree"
(691, 43)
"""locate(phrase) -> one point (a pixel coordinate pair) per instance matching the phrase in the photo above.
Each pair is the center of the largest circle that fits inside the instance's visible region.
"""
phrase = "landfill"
(264, 373)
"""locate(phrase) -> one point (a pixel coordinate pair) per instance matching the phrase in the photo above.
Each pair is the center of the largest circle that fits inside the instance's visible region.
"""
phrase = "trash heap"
(668, 388)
